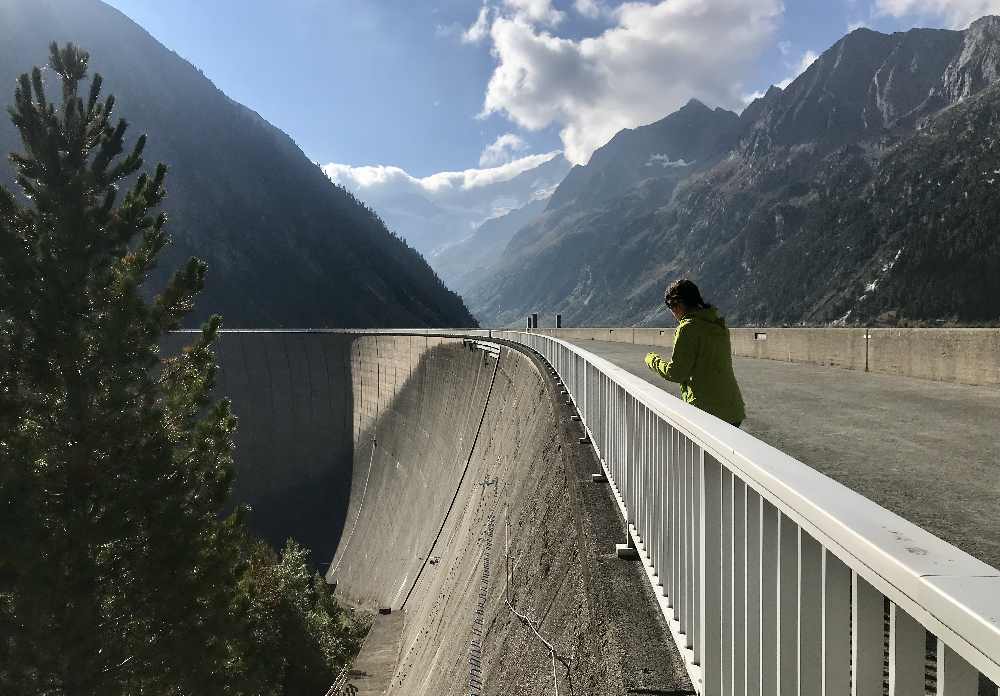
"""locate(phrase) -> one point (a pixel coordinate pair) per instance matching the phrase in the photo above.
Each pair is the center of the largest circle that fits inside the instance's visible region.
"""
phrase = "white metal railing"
(774, 578)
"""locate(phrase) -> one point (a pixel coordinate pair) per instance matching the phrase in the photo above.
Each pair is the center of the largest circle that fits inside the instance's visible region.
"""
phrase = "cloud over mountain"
(433, 211)
(501, 151)
(956, 13)
(386, 178)
(807, 59)
(652, 60)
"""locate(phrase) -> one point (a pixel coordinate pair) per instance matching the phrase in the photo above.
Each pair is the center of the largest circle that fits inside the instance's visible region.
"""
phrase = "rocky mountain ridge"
(816, 208)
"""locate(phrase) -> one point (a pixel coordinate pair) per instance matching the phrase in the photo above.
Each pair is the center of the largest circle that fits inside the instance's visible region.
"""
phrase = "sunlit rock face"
(859, 193)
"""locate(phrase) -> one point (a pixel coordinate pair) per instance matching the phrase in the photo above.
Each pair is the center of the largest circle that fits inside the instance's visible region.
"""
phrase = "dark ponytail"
(684, 292)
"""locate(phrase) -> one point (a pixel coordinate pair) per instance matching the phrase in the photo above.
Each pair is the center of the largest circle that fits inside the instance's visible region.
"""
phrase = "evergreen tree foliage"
(115, 570)
(118, 572)
(298, 632)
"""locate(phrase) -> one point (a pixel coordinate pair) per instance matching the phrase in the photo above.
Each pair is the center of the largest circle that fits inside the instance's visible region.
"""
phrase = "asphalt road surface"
(928, 451)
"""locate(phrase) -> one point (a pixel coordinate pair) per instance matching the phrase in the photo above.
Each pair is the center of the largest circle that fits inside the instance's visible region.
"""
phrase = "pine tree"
(117, 571)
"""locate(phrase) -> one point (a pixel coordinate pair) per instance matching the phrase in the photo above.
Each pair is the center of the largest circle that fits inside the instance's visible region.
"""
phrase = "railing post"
(867, 624)
(788, 608)
(955, 676)
(810, 616)
(692, 536)
(836, 626)
(726, 571)
(675, 524)
(740, 584)
(770, 534)
(710, 576)
(907, 653)
(753, 596)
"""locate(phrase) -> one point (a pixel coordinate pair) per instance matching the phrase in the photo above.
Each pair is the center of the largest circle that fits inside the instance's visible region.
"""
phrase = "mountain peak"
(694, 105)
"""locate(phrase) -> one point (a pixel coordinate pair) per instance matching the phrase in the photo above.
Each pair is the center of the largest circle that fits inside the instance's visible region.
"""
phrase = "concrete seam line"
(458, 488)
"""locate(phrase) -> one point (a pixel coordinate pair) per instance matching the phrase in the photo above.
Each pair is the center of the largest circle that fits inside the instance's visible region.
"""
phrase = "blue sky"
(405, 82)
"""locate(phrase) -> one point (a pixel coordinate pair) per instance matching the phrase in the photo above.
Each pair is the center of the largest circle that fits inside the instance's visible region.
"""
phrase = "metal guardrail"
(774, 578)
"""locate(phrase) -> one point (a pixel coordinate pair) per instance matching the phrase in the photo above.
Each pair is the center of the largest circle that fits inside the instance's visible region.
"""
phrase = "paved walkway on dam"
(928, 451)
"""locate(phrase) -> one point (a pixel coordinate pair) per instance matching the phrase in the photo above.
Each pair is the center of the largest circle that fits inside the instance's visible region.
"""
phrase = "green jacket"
(702, 364)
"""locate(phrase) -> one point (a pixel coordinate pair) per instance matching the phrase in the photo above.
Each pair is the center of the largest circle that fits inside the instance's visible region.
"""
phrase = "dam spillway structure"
(452, 481)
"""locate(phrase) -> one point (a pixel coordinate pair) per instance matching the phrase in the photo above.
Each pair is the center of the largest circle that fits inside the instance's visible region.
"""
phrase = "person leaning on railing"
(702, 361)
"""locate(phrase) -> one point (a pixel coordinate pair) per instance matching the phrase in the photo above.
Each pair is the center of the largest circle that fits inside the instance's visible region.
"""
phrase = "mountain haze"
(441, 210)
(863, 192)
(285, 247)
(465, 262)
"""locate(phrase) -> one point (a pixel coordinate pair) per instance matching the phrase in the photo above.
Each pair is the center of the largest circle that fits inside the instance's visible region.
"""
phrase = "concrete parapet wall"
(967, 356)
(964, 356)
(655, 337)
(623, 335)
(834, 347)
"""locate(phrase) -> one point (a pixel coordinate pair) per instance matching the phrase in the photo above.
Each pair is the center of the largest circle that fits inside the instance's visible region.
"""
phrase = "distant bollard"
(559, 321)
(534, 320)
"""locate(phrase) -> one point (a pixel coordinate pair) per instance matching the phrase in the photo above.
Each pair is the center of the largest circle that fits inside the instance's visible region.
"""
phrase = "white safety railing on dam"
(775, 579)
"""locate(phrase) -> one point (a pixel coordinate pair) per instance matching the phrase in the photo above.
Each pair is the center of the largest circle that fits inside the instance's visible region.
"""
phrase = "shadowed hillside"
(285, 247)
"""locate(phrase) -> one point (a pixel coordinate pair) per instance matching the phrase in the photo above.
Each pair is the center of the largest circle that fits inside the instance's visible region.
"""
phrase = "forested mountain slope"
(285, 247)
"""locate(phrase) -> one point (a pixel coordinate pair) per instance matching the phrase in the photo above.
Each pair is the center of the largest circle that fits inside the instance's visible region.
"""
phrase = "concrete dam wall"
(447, 484)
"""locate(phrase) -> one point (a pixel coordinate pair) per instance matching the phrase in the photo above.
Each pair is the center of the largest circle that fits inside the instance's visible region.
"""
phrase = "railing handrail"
(954, 595)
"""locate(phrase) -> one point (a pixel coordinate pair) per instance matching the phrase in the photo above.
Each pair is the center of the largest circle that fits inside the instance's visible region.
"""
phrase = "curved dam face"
(472, 514)
(447, 484)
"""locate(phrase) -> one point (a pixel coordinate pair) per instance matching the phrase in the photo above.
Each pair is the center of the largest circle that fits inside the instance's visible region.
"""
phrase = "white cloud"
(955, 13)
(807, 59)
(785, 47)
(667, 163)
(588, 8)
(480, 29)
(656, 57)
(388, 177)
(434, 211)
(537, 11)
(501, 150)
